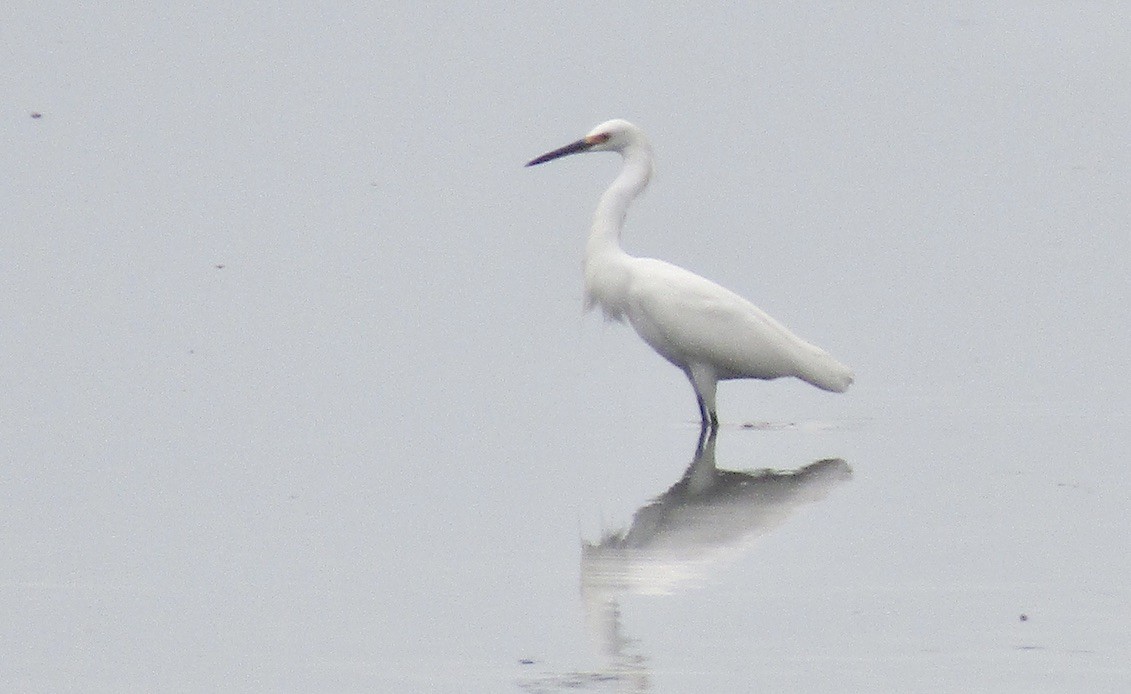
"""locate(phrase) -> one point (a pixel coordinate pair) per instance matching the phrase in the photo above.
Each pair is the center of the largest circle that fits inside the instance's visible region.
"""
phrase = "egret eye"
(601, 137)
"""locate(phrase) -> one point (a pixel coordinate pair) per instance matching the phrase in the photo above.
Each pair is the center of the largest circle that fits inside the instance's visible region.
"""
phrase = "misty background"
(297, 393)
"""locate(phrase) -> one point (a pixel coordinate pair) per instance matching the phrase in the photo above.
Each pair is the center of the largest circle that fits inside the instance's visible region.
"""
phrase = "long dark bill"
(571, 148)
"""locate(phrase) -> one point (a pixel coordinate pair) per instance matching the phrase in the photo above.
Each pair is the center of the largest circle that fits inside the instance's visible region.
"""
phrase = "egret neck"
(606, 263)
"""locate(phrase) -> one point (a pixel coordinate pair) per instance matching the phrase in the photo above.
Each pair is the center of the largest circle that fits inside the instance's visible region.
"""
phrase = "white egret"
(709, 332)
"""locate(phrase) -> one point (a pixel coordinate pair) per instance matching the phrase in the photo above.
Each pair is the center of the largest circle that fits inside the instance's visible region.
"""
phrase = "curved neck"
(630, 182)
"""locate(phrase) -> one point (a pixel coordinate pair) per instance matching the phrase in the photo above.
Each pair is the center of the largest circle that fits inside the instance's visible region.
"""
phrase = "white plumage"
(706, 330)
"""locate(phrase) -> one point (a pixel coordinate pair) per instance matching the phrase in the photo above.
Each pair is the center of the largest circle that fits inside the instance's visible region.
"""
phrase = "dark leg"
(703, 432)
(704, 387)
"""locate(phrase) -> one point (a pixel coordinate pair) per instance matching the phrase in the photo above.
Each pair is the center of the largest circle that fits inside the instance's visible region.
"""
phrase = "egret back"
(689, 320)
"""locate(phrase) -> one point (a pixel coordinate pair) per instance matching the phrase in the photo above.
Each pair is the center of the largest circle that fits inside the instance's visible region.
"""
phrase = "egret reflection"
(707, 518)
(703, 522)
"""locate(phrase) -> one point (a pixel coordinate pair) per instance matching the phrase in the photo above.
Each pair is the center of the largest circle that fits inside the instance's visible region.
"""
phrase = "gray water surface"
(296, 391)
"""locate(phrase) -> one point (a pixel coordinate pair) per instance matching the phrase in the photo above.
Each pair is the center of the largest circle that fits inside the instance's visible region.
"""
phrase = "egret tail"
(822, 370)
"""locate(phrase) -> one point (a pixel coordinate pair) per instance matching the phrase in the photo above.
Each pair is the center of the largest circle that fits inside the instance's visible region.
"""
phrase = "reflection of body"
(708, 517)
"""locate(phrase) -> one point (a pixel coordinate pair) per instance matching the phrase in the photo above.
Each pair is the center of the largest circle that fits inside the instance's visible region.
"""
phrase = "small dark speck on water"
(1024, 618)
(219, 267)
(525, 661)
(36, 114)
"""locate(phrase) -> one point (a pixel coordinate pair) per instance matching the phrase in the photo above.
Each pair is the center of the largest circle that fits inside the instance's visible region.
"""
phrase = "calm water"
(925, 548)
(296, 393)
(946, 551)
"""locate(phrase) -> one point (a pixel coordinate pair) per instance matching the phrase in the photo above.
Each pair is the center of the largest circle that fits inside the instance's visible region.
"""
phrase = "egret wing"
(690, 319)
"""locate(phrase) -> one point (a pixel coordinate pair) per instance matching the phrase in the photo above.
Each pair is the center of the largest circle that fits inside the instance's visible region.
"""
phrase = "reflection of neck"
(602, 611)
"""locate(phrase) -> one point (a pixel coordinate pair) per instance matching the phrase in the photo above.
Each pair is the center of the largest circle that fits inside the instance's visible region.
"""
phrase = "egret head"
(611, 136)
